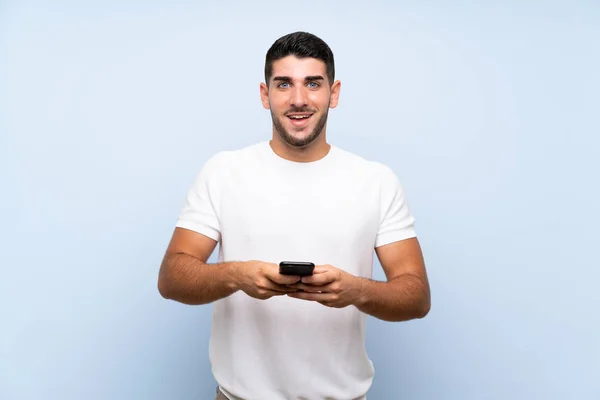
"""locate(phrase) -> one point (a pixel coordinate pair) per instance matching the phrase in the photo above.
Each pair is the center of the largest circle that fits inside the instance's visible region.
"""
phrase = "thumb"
(321, 269)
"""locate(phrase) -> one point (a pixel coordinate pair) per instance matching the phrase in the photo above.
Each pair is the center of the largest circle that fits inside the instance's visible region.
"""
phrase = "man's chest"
(323, 211)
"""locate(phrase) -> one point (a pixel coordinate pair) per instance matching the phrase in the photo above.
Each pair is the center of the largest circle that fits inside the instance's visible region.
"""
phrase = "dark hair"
(301, 45)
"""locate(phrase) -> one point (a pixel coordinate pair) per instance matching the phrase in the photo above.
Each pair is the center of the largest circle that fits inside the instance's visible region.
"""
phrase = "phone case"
(299, 268)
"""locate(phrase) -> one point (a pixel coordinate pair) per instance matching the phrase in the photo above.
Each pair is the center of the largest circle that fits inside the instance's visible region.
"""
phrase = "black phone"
(300, 268)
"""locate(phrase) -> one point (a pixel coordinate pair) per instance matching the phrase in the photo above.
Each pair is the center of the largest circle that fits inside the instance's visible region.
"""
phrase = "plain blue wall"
(488, 112)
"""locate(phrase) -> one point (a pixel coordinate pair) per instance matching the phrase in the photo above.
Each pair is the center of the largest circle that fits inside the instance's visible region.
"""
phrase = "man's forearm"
(401, 299)
(186, 279)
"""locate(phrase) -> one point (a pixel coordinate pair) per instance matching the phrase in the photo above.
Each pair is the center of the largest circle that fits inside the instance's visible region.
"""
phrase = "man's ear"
(264, 96)
(334, 97)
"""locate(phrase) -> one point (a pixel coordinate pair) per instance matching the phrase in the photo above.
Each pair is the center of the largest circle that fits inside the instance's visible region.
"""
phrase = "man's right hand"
(262, 280)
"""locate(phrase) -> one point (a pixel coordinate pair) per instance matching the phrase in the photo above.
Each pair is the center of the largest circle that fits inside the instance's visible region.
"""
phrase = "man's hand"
(329, 286)
(262, 280)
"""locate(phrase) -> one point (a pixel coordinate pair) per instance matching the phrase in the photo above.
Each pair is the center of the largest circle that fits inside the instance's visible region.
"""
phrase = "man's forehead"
(298, 68)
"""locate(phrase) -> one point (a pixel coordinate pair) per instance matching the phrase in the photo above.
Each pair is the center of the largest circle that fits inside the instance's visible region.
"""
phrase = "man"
(297, 198)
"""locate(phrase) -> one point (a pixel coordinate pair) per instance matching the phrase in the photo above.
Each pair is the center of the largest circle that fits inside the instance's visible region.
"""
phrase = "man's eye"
(284, 85)
(313, 85)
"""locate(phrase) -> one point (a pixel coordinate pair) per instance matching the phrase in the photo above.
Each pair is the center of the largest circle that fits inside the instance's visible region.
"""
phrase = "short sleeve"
(397, 222)
(200, 211)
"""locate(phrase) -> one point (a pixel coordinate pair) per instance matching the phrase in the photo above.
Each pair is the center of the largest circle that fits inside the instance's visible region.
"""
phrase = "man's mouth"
(299, 119)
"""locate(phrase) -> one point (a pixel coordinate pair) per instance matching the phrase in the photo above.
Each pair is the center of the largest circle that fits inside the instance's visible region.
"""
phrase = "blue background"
(487, 111)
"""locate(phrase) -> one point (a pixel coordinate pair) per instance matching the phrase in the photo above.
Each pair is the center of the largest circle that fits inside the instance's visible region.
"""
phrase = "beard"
(295, 142)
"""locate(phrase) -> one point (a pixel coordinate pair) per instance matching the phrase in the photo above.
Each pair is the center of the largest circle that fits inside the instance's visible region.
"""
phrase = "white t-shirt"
(335, 211)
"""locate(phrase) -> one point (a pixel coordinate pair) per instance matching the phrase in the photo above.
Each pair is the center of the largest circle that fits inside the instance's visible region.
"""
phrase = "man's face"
(299, 97)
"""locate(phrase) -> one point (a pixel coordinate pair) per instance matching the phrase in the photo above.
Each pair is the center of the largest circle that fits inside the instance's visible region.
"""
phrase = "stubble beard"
(295, 142)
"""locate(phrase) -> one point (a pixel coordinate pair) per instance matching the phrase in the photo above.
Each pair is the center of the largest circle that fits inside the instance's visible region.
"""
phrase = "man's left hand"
(329, 286)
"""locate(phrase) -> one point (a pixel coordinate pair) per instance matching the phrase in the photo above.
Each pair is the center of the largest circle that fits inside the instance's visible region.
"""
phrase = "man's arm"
(404, 296)
(186, 277)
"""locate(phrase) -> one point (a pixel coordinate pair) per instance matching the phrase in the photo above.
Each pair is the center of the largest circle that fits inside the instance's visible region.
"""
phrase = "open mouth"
(299, 119)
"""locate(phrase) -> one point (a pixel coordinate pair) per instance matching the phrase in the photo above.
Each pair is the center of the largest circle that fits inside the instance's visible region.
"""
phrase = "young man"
(297, 198)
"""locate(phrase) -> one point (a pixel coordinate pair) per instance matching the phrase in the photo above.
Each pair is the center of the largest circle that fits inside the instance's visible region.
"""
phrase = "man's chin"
(299, 142)
(295, 137)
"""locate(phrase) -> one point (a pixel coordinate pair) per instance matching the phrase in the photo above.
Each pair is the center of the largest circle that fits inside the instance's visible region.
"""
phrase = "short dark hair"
(301, 45)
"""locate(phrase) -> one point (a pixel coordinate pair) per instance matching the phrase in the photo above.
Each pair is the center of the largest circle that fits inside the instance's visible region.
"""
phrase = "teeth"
(299, 116)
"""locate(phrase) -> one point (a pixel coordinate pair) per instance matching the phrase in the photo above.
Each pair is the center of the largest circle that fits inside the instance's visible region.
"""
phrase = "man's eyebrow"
(308, 78)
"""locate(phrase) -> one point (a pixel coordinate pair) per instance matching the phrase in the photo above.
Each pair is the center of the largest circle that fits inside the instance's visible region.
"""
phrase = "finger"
(267, 294)
(285, 289)
(320, 279)
(275, 276)
(284, 280)
(319, 269)
(319, 297)
(307, 288)
(269, 285)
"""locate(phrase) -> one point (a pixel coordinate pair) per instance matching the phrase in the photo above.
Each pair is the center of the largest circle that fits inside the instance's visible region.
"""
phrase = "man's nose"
(299, 98)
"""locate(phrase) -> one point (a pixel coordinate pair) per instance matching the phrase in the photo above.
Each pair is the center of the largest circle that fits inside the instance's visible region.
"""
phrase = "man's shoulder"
(231, 157)
(359, 162)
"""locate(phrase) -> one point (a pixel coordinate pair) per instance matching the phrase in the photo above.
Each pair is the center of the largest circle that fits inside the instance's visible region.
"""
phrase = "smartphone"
(299, 268)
